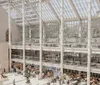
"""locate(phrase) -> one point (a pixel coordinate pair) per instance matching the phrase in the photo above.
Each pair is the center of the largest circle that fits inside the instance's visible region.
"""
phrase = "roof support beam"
(28, 2)
(20, 13)
(74, 9)
(53, 10)
(43, 24)
(78, 16)
(47, 1)
(66, 20)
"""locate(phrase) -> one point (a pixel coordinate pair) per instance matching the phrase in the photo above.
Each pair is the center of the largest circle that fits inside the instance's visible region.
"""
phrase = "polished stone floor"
(20, 80)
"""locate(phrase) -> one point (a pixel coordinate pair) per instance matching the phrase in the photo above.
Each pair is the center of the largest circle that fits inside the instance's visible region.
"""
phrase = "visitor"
(14, 82)
(1, 82)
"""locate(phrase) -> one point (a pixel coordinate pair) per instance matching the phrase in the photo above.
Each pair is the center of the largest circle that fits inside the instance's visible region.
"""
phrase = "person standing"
(14, 82)
(1, 82)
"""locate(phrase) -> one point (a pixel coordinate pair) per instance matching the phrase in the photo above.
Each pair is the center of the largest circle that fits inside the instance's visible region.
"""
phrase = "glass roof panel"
(95, 7)
(68, 12)
(82, 7)
(47, 13)
(56, 5)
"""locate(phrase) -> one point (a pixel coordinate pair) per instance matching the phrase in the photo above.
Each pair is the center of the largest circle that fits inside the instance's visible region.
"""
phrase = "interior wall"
(4, 57)
(4, 27)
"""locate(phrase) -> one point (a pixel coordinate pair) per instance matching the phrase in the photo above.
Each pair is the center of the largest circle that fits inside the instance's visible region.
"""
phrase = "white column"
(89, 43)
(9, 25)
(61, 36)
(30, 34)
(23, 32)
(80, 31)
(44, 34)
(40, 34)
(80, 28)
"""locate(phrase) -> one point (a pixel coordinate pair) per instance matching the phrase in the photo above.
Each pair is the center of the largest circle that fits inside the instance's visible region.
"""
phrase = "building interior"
(49, 42)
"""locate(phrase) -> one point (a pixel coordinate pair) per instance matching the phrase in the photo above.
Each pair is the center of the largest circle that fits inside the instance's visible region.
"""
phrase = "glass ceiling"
(82, 7)
(51, 10)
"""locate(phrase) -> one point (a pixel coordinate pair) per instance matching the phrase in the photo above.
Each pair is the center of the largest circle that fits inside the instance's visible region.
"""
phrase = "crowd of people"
(74, 79)
(69, 77)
